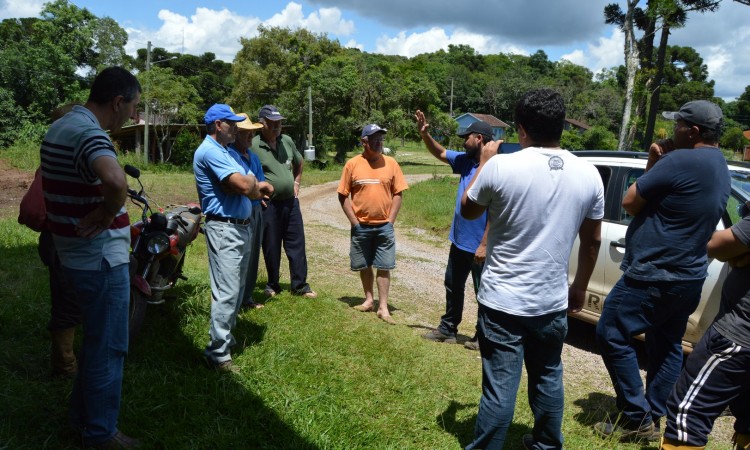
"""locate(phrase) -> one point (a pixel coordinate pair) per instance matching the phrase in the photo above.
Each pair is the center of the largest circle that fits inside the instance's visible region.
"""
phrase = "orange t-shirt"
(372, 186)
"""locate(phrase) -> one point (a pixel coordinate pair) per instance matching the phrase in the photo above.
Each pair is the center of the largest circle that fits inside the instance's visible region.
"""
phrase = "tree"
(171, 98)
(614, 15)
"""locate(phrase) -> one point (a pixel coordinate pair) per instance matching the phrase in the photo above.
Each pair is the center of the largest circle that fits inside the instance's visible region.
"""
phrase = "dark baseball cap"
(372, 129)
(703, 113)
(478, 127)
(270, 112)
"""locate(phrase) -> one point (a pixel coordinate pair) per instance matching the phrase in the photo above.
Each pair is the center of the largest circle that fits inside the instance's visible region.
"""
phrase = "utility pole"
(451, 113)
(148, 107)
(310, 150)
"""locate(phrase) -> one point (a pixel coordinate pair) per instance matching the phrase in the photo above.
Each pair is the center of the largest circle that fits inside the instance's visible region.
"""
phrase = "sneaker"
(270, 293)
(118, 441)
(472, 344)
(647, 432)
(438, 336)
(225, 367)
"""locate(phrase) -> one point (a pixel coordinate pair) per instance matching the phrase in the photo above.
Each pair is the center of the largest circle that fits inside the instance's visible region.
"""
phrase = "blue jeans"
(372, 245)
(95, 402)
(661, 310)
(228, 258)
(460, 264)
(507, 342)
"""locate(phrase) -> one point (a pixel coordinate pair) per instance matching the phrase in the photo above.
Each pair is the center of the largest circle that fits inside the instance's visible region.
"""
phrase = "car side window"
(630, 178)
(605, 172)
(733, 209)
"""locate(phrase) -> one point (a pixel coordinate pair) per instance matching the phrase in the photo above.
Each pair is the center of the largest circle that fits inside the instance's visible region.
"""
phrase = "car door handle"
(616, 244)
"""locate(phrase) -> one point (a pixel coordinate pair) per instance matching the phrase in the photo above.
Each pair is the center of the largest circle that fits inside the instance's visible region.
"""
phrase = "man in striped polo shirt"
(85, 191)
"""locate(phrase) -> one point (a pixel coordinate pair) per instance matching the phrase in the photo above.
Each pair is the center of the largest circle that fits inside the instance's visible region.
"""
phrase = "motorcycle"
(158, 244)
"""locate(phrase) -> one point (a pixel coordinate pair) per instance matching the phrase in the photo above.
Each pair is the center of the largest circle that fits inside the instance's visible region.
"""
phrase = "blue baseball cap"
(220, 111)
(372, 129)
(270, 112)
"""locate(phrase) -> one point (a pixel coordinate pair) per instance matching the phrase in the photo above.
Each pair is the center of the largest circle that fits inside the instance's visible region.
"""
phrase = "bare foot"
(364, 307)
(386, 317)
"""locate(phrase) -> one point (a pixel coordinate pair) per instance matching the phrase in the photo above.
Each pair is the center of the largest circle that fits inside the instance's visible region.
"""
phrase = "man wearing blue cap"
(225, 189)
(675, 205)
(375, 183)
(282, 218)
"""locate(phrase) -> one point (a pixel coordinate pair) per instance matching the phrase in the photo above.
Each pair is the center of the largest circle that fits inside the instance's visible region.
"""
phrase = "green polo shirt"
(275, 168)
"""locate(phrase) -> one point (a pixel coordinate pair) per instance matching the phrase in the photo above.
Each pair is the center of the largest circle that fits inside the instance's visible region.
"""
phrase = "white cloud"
(606, 52)
(207, 30)
(325, 20)
(436, 38)
(354, 44)
(10, 9)
(219, 31)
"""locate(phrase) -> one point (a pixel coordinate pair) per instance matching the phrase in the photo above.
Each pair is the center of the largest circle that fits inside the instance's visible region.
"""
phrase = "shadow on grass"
(595, 407)
(173, 400)
(463, 429)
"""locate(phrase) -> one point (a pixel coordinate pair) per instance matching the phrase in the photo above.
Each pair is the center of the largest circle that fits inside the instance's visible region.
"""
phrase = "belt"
(227, 219)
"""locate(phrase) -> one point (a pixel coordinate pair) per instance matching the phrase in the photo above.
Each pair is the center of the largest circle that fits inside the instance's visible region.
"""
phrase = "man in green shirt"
(282, 218)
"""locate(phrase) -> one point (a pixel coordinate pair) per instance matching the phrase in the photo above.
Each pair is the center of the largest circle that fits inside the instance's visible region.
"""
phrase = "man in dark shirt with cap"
(282, 218)
(675, 205)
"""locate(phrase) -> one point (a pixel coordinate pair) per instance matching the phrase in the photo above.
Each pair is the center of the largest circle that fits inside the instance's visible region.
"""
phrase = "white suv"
(619, 170)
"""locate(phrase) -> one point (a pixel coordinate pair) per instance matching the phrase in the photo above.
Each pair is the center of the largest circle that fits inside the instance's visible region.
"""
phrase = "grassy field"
(314, 374)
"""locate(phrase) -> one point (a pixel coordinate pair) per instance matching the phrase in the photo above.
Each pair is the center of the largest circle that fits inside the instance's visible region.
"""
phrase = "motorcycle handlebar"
(134, 195)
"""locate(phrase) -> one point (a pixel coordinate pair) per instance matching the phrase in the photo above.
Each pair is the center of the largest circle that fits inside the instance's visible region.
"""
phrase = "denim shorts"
(373, 245)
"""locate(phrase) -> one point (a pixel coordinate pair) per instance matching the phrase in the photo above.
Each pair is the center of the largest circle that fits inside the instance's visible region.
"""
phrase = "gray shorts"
(373, 245)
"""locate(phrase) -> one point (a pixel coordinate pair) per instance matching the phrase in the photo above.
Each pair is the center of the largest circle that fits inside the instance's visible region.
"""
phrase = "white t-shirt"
(537, 199)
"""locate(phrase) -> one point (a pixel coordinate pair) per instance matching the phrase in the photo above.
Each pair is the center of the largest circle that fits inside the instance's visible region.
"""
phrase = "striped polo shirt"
(72, 190)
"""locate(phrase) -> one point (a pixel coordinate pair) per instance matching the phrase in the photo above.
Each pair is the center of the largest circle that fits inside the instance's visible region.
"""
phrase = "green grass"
(429, 205)
(314, 374)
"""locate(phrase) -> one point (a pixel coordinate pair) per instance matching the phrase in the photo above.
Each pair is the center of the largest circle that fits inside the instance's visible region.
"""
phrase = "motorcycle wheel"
(136, 313)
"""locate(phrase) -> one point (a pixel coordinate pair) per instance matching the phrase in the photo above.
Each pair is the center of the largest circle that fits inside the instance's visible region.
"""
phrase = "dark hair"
(211, 128)
(708, 135)
(542, 114)
(111, 82)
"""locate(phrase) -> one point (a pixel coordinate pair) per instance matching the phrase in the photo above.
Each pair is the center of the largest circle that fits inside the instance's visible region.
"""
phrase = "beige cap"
(248, 124)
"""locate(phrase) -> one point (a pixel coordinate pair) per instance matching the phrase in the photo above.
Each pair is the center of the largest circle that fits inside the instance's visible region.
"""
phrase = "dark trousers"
(460, 265)
(282, 223)
(65, 310)
(660, 309)
(716, 375)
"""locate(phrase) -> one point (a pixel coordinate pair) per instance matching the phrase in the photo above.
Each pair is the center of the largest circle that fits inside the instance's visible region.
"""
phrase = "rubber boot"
(669, 444)
(741, 441)
(62, 358)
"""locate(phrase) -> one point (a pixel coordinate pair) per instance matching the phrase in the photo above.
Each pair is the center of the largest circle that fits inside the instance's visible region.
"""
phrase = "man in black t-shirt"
(717, 374)
(675, 205)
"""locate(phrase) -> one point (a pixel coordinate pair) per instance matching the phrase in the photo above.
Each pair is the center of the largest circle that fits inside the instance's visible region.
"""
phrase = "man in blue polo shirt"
(468, 237)
(225, 189)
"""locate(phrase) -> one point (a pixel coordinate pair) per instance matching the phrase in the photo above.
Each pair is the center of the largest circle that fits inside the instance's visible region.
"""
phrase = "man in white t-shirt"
(537, 201)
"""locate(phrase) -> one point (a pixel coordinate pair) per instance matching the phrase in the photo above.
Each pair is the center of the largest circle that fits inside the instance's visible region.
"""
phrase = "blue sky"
(564, 29)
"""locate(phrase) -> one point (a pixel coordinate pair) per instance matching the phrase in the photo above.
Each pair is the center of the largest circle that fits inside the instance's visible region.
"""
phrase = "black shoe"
(647, 432)
(438, 336)
(472, 344)
(118, 441)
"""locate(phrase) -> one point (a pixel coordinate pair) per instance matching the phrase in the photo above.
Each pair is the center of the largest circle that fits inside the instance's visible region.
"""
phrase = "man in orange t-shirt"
(370, 195)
